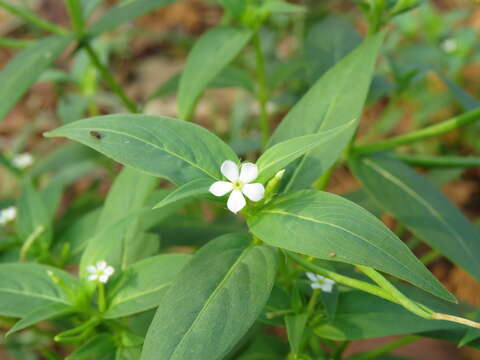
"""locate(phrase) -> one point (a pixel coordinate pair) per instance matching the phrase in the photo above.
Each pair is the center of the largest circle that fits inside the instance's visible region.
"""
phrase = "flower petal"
(92, 277)
(248, 172)
(103, 278)
(101, 265)
(91, 269)
(254, 192)
(236, 201)
(312, 276)
(220, 188)
(315, 286)
(230, 170)
(109, 271)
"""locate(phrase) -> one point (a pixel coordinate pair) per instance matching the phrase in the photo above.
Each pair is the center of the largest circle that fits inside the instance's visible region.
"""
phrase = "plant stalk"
(76, 15)
(15, 43)
(109, 79)
(426, 133)
(439, 161)
(262, 93)
(385, 349)
(33, 19)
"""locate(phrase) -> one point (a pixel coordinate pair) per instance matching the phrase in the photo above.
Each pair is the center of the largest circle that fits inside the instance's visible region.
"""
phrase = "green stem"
(29, 242)
(33, 19)
(102, 303)
(76, 15)
(397, 295)
(439, 161)
(313, 301)
(428, 132)
(341, 279)
(15, 43)
(340, 350)
(430, 257)
(262, 90)
(108, 78)
(385, 349)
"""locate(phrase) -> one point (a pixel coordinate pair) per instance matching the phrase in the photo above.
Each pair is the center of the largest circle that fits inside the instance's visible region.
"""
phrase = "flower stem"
(33, 19)
(439, 161)
(108, 78)
(430, 257)
(15, 43)
(385, 349)
(426, 133)
(262, 93)
(39, 230)
(76, 15)
(102, 303)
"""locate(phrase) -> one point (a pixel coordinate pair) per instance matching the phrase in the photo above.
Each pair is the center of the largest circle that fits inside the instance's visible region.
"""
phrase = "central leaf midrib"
(212, 297)
(157, 147)
(306, 218)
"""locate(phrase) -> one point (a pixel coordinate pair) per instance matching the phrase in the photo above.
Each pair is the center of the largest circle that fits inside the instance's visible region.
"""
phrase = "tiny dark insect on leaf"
(96, 134)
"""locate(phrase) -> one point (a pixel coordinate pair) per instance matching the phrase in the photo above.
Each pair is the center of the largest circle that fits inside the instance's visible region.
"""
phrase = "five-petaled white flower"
(320, 282)
(22, 161)
(239, 185)
(100, 272)
(8, 214)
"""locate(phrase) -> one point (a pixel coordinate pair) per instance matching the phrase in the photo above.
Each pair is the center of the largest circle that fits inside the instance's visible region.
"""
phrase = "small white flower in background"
(239, 185)
(100, 272)
(22, 161)
(320, 282)
(449, 45)
(8, 214)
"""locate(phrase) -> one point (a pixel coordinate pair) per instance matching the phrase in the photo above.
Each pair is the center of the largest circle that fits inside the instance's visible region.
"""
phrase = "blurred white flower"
(320, 282)
(449, 45)
(8, 214)
(100, 272)
(239, 185)
(22, 161)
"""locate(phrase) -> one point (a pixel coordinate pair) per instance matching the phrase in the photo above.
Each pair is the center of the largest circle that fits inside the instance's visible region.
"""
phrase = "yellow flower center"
(237, 185)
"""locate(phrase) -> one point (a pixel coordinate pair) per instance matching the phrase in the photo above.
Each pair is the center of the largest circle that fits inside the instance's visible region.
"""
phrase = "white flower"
(100, 272)
(449, 45)
(320, 282)
(239, 185)
(22, 161)
(8, 214)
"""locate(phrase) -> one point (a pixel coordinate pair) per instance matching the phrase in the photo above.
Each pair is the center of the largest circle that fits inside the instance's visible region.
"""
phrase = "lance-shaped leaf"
(121, 212)
(24, 287)
(363, 316)
(422, 208)
(210, 55)
(26, 67)
(335, 99)
(280, 155)
(327, 226)
(193, 188)
(123, 12)
(213, 302)
(142, 285)
(46, 312)
(169, 148)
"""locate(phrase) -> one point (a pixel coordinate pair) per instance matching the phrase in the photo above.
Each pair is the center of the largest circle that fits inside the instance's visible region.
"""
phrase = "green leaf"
(46, 312)
(125, 11)
(295, 329)
(421, 207)
(212, 53)
(327, 43)
(101, 347)
(33, 216)
(25, 68)
(280, 155)
(193, 188)
(117, 239)
(24, 287)
(319, 224)
(279, 6)
(142, 286)
(213, 301)
(335, 99)
(362, 316)
(231, 76)
(165, 147)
